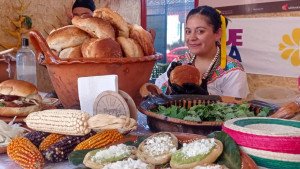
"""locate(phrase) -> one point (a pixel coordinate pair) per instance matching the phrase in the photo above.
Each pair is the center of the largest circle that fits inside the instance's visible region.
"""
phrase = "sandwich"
(18, 98)
(158, 148)
(198, 152)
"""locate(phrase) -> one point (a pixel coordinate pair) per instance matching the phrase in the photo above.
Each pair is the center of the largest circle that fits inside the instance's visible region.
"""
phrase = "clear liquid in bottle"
(26, 63)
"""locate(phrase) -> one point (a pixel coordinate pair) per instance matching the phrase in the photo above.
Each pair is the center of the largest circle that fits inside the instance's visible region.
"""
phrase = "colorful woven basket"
(272, 143)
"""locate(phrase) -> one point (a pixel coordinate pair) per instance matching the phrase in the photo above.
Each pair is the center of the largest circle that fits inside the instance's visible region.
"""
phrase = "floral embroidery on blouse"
(232, 64)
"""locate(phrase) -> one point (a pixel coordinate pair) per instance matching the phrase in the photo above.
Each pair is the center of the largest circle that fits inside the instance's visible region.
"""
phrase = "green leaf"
(27, 22)
(229, 116)
(192, 118)
(230, 156)
(2, 104)
(76, 157)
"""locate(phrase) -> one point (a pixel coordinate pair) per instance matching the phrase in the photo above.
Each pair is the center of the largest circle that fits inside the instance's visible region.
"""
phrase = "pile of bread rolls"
(104, 35)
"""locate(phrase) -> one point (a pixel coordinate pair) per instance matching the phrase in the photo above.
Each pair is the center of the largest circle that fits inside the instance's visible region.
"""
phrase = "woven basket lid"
(110, 102)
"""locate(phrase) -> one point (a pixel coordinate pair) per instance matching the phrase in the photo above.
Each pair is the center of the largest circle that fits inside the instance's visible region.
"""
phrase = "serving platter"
(136, 138)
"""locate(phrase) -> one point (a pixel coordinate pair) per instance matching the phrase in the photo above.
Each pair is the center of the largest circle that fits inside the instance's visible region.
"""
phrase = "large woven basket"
(132, 72)
(272, 143)
(153, 97)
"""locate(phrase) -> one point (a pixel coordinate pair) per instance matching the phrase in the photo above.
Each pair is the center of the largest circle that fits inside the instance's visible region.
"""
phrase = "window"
(167, 18)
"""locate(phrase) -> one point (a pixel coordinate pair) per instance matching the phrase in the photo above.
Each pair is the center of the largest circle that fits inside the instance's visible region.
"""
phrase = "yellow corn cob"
(60, 121)
(49, 140)
(100, 140)
(24, 153)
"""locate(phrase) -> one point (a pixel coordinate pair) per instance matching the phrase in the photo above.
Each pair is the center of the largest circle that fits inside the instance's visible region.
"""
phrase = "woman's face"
(199, 35)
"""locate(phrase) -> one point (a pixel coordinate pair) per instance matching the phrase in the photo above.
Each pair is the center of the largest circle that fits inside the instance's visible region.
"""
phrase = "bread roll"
(101, 48)
(71, 52)
(96, 27)
(143, 37)
(185, 74)
(19, 88)
(115, 19)
(65, 37)
(130, 47)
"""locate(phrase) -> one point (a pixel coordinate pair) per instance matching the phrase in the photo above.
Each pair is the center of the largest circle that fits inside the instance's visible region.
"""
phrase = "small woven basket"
(271, 142)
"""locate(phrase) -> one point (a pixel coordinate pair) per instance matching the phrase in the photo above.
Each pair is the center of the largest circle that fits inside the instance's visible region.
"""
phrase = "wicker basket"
(272, 143)
(153, 97)
(132, 72)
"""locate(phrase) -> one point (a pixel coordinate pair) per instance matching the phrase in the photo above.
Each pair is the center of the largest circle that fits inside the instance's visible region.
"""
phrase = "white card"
(90, 87)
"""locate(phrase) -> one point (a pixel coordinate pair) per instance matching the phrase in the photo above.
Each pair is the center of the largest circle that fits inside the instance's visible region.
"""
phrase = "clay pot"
(7, 69)
(132, 72)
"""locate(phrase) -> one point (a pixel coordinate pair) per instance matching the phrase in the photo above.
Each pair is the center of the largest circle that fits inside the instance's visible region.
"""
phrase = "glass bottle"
(26, 63)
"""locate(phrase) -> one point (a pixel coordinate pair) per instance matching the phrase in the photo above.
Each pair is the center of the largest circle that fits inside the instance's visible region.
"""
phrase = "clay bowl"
(153, 97)
(132, 72)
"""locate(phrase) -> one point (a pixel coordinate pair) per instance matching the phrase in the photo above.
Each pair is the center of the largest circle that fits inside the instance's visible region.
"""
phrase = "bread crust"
(159, 159)
(71, 53)
(185, 74)
(130, 47)
(19, 111)
(17, 88)
(144, 39)
(65, 37)
(115, 19)
(96, 27)
(209, 159)
(101, 48)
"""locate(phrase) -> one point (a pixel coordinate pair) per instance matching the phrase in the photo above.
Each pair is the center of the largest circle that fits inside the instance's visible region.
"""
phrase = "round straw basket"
(272, 143)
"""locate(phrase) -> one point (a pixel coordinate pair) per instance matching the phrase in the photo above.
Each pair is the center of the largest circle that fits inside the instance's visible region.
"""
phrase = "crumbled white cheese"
(159, 145)
(197, 147)
(209, 167)
(127, 164)
(111, 152)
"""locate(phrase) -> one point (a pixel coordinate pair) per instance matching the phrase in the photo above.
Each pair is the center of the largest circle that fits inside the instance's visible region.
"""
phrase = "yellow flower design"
(290, 47)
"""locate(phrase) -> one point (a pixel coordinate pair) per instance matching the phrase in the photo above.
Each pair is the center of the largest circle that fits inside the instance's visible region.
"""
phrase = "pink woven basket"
(271, 142)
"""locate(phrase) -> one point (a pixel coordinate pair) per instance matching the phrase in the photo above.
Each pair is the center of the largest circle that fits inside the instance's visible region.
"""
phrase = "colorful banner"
(268, 7)
(269, 46)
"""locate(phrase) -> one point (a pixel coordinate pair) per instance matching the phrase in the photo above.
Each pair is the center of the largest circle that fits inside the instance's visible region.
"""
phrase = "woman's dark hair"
(211, 13)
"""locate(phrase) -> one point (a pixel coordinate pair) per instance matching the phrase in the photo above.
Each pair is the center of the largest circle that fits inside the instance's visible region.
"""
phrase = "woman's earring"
(218, 43)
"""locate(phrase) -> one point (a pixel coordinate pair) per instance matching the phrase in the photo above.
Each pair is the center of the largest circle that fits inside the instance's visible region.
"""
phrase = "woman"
(222, 74)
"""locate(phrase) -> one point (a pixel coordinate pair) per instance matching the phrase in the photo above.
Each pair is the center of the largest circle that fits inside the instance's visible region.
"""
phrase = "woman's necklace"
(204, 75)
